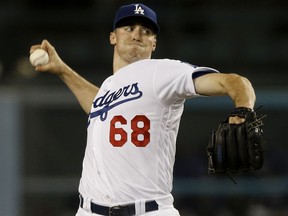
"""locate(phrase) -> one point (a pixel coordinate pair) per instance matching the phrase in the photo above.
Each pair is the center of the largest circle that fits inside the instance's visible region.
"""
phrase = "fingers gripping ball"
(39, 57)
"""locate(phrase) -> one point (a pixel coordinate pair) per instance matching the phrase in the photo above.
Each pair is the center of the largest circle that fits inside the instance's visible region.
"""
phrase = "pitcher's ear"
(112, 38)
(155, 44)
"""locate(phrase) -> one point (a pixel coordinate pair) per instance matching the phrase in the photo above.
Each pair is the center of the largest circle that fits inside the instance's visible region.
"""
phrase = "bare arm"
(237, 87)
(83, 90)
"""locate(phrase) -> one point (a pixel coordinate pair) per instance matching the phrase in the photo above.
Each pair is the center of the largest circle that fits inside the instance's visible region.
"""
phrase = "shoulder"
(160, 61)
(154, 65)
(171, 65)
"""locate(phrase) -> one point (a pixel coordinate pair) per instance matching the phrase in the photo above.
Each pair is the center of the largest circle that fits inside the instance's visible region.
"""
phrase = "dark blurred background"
(43, 129)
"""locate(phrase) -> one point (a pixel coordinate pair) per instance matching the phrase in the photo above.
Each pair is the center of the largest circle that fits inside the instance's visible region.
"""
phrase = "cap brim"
(128, 20)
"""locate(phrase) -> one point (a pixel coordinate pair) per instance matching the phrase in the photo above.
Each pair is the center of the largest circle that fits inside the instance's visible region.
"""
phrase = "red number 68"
(140, 135)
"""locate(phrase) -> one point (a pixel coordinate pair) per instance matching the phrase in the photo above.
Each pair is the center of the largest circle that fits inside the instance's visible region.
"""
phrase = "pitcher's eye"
(147, 31)
(129, 28)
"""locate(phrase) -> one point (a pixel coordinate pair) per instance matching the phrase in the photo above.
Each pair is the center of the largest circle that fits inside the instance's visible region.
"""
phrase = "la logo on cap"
(138, 9)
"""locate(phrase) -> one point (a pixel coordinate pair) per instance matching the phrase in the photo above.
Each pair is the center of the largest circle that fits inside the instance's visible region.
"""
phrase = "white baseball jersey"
(132, 130)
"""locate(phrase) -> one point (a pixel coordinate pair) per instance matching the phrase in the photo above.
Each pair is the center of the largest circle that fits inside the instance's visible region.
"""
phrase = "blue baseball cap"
(139, 11)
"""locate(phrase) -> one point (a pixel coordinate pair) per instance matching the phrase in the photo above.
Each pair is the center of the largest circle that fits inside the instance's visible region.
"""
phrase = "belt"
(120, 210)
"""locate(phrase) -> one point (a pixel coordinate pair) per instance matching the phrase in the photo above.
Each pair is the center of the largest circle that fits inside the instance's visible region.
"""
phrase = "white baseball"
(39, 57)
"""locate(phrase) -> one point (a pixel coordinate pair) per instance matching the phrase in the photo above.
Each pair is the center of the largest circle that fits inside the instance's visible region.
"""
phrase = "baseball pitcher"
(133, 118)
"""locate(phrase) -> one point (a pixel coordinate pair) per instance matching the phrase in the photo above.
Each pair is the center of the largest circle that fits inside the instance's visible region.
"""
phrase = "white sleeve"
(173, 80)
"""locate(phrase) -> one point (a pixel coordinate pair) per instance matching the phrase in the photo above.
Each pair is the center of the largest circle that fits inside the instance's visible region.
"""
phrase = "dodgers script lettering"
(110, 100)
